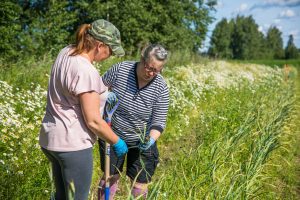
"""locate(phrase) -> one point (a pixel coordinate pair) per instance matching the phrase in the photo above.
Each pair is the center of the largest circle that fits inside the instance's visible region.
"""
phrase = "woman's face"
(151, 69)
(102, 52)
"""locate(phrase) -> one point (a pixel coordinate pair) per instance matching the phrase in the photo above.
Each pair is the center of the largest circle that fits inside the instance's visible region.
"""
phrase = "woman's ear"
(98, 46)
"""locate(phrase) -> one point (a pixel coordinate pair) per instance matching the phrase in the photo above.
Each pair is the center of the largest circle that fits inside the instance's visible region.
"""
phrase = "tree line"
(36, 27)
(240, 38)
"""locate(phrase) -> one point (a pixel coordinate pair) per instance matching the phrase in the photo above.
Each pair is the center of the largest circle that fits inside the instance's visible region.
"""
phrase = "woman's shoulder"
(124, 66)
(127, 64)
(66, 50)
(79, 65)
(161, 81)
(83, 66)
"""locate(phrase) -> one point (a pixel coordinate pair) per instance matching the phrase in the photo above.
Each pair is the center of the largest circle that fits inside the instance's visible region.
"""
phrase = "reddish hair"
(84, 41)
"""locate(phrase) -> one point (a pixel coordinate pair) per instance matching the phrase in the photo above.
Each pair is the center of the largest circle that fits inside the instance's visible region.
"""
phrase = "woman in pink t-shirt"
(72, 120)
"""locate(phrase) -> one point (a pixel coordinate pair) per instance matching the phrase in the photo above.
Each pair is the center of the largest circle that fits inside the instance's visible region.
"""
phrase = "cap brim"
(118, 51)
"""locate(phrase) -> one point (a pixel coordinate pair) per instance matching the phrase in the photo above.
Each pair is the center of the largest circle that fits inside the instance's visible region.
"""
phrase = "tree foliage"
(221, 40)
(291, 51)
(177, 24)
(46, 25)
(241, 39)
(38, 26)
(9, 29)
(275, 43)
(246, 39)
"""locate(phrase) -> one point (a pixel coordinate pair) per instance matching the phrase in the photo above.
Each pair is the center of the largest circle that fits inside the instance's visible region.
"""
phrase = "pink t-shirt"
(63, 127)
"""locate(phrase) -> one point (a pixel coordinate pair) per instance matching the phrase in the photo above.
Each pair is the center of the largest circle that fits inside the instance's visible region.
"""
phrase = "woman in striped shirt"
(140, 118)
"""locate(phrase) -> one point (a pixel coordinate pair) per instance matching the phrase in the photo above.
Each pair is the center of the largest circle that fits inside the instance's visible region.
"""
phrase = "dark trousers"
(71, 167)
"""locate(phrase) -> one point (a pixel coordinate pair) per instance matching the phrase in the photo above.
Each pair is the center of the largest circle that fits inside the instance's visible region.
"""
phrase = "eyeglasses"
(151, 69)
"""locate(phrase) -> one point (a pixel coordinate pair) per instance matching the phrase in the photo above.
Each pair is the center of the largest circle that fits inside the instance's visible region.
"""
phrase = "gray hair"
(156, 51)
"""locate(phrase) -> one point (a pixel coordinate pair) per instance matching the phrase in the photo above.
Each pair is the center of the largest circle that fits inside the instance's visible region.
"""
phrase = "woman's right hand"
(120, 148)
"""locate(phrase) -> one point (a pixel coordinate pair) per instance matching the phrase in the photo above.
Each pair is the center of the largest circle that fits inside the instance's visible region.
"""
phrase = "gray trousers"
(71, 167)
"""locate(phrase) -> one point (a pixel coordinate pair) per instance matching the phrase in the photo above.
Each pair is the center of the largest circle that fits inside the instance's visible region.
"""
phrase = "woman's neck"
(88, 55)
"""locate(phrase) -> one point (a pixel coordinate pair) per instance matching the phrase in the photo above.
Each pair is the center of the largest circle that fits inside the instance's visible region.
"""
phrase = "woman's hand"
(146, 145)
(120, 148)
(111, 97)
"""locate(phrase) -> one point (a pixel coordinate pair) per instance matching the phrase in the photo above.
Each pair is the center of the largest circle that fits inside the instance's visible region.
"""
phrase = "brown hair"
(84, 41)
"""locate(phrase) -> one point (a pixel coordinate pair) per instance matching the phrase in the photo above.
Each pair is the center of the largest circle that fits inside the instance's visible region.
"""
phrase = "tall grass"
(230, 128)
(272, 63)
(285, 169)
(219, 140)
(238, 129)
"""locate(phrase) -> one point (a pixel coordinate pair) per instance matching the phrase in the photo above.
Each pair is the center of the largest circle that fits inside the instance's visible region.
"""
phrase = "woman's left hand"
(147, 145)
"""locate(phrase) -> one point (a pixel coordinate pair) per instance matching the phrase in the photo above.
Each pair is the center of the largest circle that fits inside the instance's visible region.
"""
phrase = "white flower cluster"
(21, 112)
(190, 84)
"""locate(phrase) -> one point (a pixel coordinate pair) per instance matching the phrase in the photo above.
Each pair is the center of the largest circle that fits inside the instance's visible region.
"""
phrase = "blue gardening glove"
(146, 145)
(111, 97)
(120, 148)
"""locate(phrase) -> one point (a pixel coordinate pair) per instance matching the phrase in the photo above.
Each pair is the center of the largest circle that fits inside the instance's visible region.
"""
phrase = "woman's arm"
(90, 106)
(159, 114)
(154, 134)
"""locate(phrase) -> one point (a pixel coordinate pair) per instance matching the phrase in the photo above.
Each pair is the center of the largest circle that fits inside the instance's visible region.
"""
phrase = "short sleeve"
(86, 79)
(160, 111)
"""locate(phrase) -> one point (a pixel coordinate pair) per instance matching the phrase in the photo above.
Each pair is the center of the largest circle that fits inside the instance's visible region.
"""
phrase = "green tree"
(264, 51)
(274, 43)
(47, 26)
(291, 51)
(177, 24)
(221, 39)
(38, 26)
(247, 41)
(10, 28)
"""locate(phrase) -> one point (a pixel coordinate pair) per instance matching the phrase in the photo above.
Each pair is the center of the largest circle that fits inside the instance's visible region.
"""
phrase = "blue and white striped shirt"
(140, 110)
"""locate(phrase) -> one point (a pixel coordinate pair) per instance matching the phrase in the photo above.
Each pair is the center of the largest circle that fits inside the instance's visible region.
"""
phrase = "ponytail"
(84, 41)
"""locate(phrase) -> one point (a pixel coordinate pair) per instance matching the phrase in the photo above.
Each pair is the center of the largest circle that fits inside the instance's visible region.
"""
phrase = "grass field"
(231, 134)
(273, 63)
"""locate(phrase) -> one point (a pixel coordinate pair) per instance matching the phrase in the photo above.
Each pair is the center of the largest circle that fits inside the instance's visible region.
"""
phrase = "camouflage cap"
(106, 32)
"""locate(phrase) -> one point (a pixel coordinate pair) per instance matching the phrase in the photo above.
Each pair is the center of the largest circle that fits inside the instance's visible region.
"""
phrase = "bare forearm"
(102, 130)
(90, 106)
(155, 134)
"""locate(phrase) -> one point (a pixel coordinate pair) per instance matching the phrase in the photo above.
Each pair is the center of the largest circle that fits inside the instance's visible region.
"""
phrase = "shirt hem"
(58, 149)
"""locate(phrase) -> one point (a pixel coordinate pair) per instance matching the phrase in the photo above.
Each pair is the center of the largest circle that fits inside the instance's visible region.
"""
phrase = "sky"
(284, 14)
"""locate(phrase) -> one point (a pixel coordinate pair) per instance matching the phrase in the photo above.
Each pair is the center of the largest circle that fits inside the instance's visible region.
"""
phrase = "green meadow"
(232, 131)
